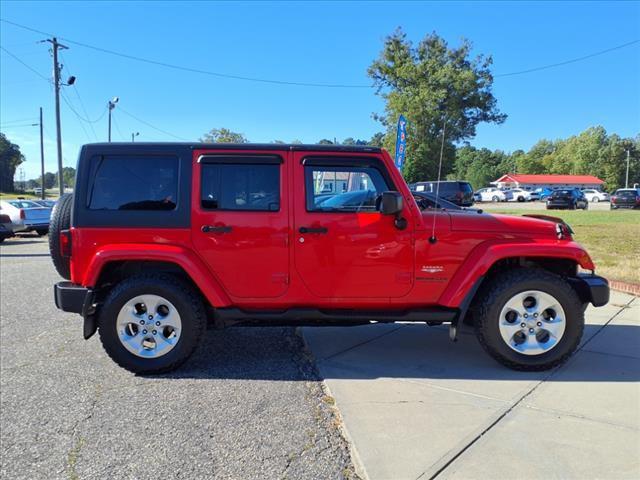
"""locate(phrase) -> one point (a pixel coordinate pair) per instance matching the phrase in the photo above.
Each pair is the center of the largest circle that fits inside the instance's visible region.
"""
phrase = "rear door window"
(244, 187)
(123, 182)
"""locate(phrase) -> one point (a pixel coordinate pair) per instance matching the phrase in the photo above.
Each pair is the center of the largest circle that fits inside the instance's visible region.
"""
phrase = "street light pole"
(134, 135)
(626, 180)
(41, 155)
(111, 105)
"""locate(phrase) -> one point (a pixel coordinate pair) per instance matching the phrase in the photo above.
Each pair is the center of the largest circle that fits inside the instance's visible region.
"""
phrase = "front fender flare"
(485, 255)
(184, 258)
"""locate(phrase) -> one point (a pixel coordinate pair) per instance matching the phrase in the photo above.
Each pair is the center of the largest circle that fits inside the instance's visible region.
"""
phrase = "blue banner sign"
(401, 142)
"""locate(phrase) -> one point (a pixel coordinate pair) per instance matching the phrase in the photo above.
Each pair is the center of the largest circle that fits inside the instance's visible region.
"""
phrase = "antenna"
(433, 238)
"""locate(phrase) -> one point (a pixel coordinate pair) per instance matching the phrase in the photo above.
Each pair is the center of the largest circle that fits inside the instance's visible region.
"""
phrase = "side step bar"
(315, 317)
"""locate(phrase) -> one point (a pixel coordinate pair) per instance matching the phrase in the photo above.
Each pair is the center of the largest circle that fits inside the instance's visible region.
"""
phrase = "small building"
(531, 182)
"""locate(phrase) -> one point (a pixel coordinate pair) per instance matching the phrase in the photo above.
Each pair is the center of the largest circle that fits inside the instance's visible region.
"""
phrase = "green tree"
(69, 176)
(325, 141)
(377, 140)
(10, 158)
(223, 135)
(432, 85)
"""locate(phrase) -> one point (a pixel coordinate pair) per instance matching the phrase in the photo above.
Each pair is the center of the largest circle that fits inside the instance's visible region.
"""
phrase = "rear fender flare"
(201, 276)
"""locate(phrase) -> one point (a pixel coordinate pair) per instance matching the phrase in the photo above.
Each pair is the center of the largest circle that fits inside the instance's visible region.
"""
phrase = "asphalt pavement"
(248, 405)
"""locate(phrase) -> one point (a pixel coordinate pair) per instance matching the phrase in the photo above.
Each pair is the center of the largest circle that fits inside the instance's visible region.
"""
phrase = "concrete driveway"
(417, 406)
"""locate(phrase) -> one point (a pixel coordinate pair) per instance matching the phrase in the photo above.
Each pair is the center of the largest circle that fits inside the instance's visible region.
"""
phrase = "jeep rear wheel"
(529, 319)
(151, 323)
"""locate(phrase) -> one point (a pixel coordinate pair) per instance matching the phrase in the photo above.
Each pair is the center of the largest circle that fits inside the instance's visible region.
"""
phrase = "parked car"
(626, 198)
(490, 194)
(595, 196)
(533, 196)
(567, 198)
(233, 234)
(517, 195)
(543, 192)
(456, 192)
(6, 227)
(429, 200)
(27, 215)
(45, 203)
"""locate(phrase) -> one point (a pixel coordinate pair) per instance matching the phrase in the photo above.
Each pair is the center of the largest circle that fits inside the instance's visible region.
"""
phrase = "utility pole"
(42, 154)
(626, 180)
(134, 135)
(56, 81)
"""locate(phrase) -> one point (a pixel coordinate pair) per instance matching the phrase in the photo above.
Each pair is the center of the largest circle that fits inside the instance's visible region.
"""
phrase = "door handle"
(313, 230)
(212, 229)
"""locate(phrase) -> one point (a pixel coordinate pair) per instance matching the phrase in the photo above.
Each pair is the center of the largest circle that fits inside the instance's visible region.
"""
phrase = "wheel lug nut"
(539, 324)
(535, 315)
(150, 317)
(141, 322)
(523, 324)
(531, 330)
(157, 324)
(154, 332)
(526, 315)
(144, 331)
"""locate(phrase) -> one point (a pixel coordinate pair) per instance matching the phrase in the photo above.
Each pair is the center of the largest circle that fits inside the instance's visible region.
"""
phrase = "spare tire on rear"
(60, 220)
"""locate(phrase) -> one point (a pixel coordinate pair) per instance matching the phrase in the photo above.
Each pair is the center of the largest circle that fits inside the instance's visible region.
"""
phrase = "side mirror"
(390, 203)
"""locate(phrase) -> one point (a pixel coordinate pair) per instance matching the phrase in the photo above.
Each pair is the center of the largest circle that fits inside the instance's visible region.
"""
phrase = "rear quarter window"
(123, 182)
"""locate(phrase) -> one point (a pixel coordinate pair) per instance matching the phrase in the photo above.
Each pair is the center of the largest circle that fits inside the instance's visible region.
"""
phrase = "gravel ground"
(247, 405)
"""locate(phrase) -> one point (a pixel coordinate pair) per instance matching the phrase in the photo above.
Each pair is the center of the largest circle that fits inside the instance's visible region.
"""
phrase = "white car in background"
(595, 196)
(490, 195)
(518, 195)
(26, 215)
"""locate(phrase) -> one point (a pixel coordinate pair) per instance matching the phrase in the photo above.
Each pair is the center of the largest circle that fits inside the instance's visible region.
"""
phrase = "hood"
(509, 224)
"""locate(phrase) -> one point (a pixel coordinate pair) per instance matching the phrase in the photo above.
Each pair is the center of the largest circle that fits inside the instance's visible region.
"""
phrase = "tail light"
(22, 215)
(614, 199)
(637, 200)
(65, 243)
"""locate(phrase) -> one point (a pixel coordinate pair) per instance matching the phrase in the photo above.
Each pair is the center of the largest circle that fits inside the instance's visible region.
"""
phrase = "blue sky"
(323, 42)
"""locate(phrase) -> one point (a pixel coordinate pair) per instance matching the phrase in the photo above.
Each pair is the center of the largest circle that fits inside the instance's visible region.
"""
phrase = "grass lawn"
(612, 238)
(49, 194)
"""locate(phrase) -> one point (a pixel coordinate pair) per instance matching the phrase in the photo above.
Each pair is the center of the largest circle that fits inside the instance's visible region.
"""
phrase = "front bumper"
(591, 288)
(70, 297)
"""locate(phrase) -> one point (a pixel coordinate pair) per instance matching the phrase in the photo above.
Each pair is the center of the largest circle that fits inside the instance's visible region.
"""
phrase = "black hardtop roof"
(238, 146)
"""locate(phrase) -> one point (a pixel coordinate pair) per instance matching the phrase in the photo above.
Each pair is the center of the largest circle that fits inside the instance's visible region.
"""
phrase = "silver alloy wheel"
(149, 326)
(532, 322)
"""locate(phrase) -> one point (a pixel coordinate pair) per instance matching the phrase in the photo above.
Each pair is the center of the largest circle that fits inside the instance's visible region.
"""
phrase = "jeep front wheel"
(151, 323)
(529, 319)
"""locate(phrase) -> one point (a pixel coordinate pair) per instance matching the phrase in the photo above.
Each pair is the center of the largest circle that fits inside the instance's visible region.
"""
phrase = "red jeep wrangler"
(160, 239)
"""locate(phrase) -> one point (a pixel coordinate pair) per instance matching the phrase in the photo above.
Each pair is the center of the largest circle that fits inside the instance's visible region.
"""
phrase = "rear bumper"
(70, 297)
(36, 224)
(592, 288)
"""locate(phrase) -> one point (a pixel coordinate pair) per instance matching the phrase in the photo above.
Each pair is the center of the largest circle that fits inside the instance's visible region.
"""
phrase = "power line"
(75, 89)
(20, 121)
(68, 102)
(48, 80)
(80, 117)
(190, 69)
(303, 84)
(16, 126)
(567, 62)
(115, 122)
(153, 126)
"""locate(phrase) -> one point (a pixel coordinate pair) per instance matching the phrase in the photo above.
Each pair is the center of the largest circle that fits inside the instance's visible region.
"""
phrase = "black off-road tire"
(186, 300)
(499, 290)
(60, 220)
